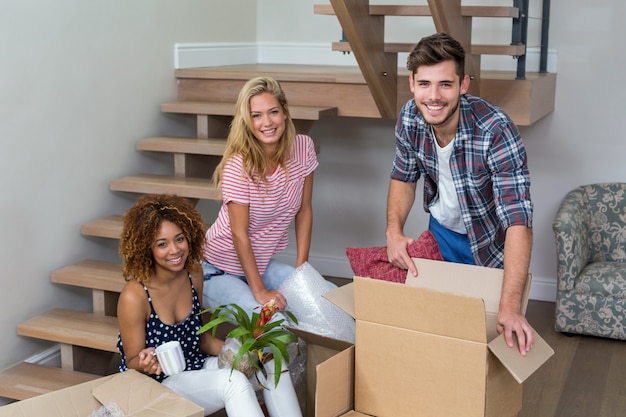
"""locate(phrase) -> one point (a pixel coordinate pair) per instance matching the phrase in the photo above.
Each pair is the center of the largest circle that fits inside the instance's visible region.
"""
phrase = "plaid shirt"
(489, 170)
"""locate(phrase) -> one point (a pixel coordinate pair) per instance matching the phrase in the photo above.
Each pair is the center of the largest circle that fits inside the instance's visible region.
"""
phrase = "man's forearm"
(399, 202)
(517, 249)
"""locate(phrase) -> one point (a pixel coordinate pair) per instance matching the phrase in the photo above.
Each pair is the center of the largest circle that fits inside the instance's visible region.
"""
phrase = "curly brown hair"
(142, 222)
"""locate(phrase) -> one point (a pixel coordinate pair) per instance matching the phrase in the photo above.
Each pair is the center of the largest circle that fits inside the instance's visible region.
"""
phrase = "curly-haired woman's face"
(170, 248)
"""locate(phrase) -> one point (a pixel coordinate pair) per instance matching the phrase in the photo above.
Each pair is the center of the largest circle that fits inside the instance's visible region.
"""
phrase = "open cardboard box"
(137, 395)
(427, 348)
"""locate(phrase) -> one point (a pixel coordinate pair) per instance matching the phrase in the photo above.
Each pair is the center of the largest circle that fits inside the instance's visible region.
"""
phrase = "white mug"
(171, 358)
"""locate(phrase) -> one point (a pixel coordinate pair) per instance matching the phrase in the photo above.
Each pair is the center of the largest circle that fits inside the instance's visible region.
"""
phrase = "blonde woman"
(266, 176)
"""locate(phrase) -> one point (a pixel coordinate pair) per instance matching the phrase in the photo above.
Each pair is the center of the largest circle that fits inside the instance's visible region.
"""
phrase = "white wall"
(80, 82)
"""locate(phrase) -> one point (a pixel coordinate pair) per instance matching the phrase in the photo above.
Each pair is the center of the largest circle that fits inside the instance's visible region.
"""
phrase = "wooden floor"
(586, 377)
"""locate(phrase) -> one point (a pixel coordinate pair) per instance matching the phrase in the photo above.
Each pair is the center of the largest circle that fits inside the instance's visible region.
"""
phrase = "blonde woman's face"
(268, 120)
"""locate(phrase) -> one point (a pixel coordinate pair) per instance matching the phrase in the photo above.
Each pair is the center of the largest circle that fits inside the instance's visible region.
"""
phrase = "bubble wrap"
(303, 290)
(111, 410)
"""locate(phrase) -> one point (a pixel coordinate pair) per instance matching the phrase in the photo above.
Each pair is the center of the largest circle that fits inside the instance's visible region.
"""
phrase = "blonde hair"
(241, 139)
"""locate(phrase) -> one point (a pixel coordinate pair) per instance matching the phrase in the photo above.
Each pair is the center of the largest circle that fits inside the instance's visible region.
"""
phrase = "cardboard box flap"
(469, 280)
(75, 401)
(320, 340)
(334, 391)
(343, 297)
(319, 349)
(420, 309)
(135, 397)
(127, 390)
(521, 367)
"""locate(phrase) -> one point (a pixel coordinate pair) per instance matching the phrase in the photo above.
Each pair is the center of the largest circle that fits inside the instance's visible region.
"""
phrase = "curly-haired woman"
(161, 249)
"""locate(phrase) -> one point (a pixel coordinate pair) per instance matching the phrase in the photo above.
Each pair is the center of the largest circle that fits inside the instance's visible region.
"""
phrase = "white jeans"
(213, 389)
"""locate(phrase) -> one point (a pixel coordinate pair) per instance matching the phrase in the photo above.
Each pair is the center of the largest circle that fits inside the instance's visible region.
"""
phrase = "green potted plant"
(260, 338)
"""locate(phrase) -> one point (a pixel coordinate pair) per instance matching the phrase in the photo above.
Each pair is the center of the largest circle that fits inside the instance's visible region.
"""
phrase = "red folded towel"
(374, 263)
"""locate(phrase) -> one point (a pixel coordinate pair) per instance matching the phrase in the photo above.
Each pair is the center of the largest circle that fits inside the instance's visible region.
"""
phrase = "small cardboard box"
(137, 395)
(427, 348)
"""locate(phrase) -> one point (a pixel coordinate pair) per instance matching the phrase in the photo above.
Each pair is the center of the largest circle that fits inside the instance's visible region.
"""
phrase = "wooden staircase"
(206, 96)
(88, 339)
(525, 98)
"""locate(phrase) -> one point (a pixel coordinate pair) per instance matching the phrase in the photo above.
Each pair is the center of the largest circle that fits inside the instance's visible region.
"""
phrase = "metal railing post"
(519, 35)
(545, 27)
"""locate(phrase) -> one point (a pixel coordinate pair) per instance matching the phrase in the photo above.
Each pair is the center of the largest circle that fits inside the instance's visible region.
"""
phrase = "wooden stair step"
(94, 274)
(26, 380)
(525, 101)
(201, 188)
(228, 109)
(424, 10)
(109, 227)
(182, 145)
(73, 328)
(284, 73)
(401, 47)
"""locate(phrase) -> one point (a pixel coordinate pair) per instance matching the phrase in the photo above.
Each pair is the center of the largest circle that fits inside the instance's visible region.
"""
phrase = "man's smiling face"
(437, 89)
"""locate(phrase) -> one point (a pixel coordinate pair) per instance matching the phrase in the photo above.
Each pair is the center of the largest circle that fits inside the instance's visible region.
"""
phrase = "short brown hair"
(434, 49)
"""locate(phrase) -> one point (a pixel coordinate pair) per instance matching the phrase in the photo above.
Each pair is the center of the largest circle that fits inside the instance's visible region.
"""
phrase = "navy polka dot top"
(158, 333)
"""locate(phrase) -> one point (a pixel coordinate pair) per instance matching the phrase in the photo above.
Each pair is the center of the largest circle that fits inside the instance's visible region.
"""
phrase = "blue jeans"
(223, 288)
(454, 246)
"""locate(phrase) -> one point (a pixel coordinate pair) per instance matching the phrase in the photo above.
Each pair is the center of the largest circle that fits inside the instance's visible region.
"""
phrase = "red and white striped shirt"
(272, 208)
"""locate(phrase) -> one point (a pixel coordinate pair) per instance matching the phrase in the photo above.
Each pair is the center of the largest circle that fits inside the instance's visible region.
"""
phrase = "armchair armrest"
(571, 231)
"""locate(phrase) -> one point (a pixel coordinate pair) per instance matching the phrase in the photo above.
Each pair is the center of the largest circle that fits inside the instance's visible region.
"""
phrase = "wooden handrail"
(447, 17)
(401, 47)
(408, 10)
(366, 34)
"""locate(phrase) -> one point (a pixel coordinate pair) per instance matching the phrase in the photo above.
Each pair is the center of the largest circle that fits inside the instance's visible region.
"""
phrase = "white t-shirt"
(446, 209)
(271, 208)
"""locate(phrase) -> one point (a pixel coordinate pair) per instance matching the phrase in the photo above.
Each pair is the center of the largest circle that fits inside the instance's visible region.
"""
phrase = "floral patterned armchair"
(590, 232)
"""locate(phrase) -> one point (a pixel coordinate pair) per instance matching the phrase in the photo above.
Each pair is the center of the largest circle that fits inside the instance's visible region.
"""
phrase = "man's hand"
(516, 330)
(399, 203)
(398, 254)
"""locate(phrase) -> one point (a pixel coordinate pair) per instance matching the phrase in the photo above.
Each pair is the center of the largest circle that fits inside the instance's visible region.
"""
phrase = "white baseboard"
(542, 289)
(50, 357)
(194, 55)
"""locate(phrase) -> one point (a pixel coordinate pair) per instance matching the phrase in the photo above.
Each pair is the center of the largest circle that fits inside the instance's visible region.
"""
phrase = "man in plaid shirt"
(476, 178)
